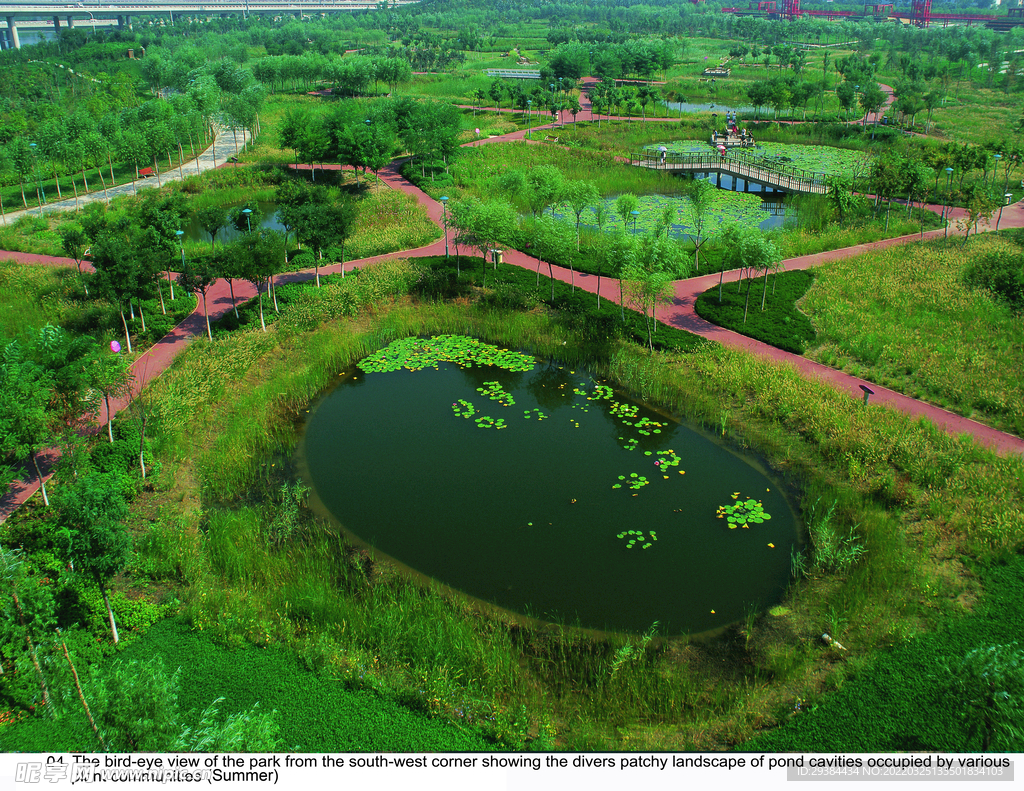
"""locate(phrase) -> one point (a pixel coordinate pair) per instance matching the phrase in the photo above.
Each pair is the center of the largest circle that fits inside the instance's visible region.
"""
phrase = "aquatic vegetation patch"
(743, 513)
(463, 408)
(634, 537)
(495, 392)
(635, 481)
(414, 354)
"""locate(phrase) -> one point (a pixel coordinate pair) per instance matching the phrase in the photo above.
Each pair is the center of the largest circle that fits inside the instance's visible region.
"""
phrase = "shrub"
(1002, 275)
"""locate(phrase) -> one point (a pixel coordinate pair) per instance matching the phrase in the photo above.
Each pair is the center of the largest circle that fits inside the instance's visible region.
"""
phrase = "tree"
(652, 263)
(25, 428)
(212, 219)
(322, 222)
(625, 205)
(580, 195)
(26, 621)
(90, 512)
(847, 96)
(698, 215)
(262, 256)
(748, 248)
(74, 242)
(840, 196)
(872, 97)
(111, 374)
(196, 278)
(545, 183)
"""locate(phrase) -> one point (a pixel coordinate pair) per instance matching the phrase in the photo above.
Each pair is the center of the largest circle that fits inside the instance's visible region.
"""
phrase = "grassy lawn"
(903, 318)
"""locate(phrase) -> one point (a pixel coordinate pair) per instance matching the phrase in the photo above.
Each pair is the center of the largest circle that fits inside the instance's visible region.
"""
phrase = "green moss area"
(780, 324)
(906, 699)
(315, 713)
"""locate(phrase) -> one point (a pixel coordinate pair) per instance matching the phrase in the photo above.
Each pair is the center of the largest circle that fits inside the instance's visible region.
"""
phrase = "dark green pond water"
(526, 517)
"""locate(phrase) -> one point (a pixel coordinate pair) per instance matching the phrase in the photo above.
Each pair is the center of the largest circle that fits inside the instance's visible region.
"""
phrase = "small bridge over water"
(741, 166)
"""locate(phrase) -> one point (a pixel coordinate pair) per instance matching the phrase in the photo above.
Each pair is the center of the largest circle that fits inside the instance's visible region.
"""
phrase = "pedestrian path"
(680, 313)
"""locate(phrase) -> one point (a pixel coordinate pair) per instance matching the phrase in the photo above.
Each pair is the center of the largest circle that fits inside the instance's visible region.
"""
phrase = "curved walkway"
(680, 313)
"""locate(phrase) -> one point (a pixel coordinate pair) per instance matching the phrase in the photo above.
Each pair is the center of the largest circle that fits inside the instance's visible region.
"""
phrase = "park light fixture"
(635, 214)
(248, 221)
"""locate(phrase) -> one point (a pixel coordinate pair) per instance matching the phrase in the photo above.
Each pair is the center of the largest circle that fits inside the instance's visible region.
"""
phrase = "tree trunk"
(110, 419)
(110, 163)
(32, 653)
(75, 188)
(81, 697)
(163, 307)
(156, 169)
(143, 315)
(263, 324)
(170, 283)
(206, 313)
(231, 288)
(110, 613)
(127, 335)
(55, 178)
(42, 483)
(764, 294)
(746, 304)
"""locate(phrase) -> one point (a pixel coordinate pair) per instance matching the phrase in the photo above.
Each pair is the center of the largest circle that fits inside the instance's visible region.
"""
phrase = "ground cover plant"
(905, 318)
(781, 323)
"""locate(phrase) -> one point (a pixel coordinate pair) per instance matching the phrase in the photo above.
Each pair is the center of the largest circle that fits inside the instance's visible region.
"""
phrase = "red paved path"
(679, 313)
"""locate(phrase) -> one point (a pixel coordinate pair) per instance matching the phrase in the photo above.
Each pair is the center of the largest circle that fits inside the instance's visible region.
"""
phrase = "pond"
(545, 492)
(706, 107)
(194, 232)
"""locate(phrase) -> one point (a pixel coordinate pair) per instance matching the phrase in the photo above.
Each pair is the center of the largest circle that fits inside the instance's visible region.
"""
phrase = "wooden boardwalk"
(742, 167)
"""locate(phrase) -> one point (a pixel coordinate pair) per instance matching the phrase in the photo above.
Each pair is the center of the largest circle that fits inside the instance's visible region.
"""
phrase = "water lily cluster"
(743, 513)
(634, 537)
(495, 392)
(414, 354)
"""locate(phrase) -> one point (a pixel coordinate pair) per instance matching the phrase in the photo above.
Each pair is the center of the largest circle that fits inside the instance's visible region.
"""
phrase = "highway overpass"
(90, 12)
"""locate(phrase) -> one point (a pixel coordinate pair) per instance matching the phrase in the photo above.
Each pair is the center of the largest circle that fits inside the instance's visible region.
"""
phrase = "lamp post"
(444, 215)
(248, 221)
(949, 175)
(93, 20)
(529, 115)
(553, 97)
(181, 244)
(39, 178)
(634, 214)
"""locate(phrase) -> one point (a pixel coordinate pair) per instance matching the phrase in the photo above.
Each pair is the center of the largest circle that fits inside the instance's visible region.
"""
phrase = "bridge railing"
(737, 163)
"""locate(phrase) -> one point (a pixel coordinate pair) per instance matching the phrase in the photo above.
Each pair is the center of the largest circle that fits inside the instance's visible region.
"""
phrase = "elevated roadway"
(56, 15)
